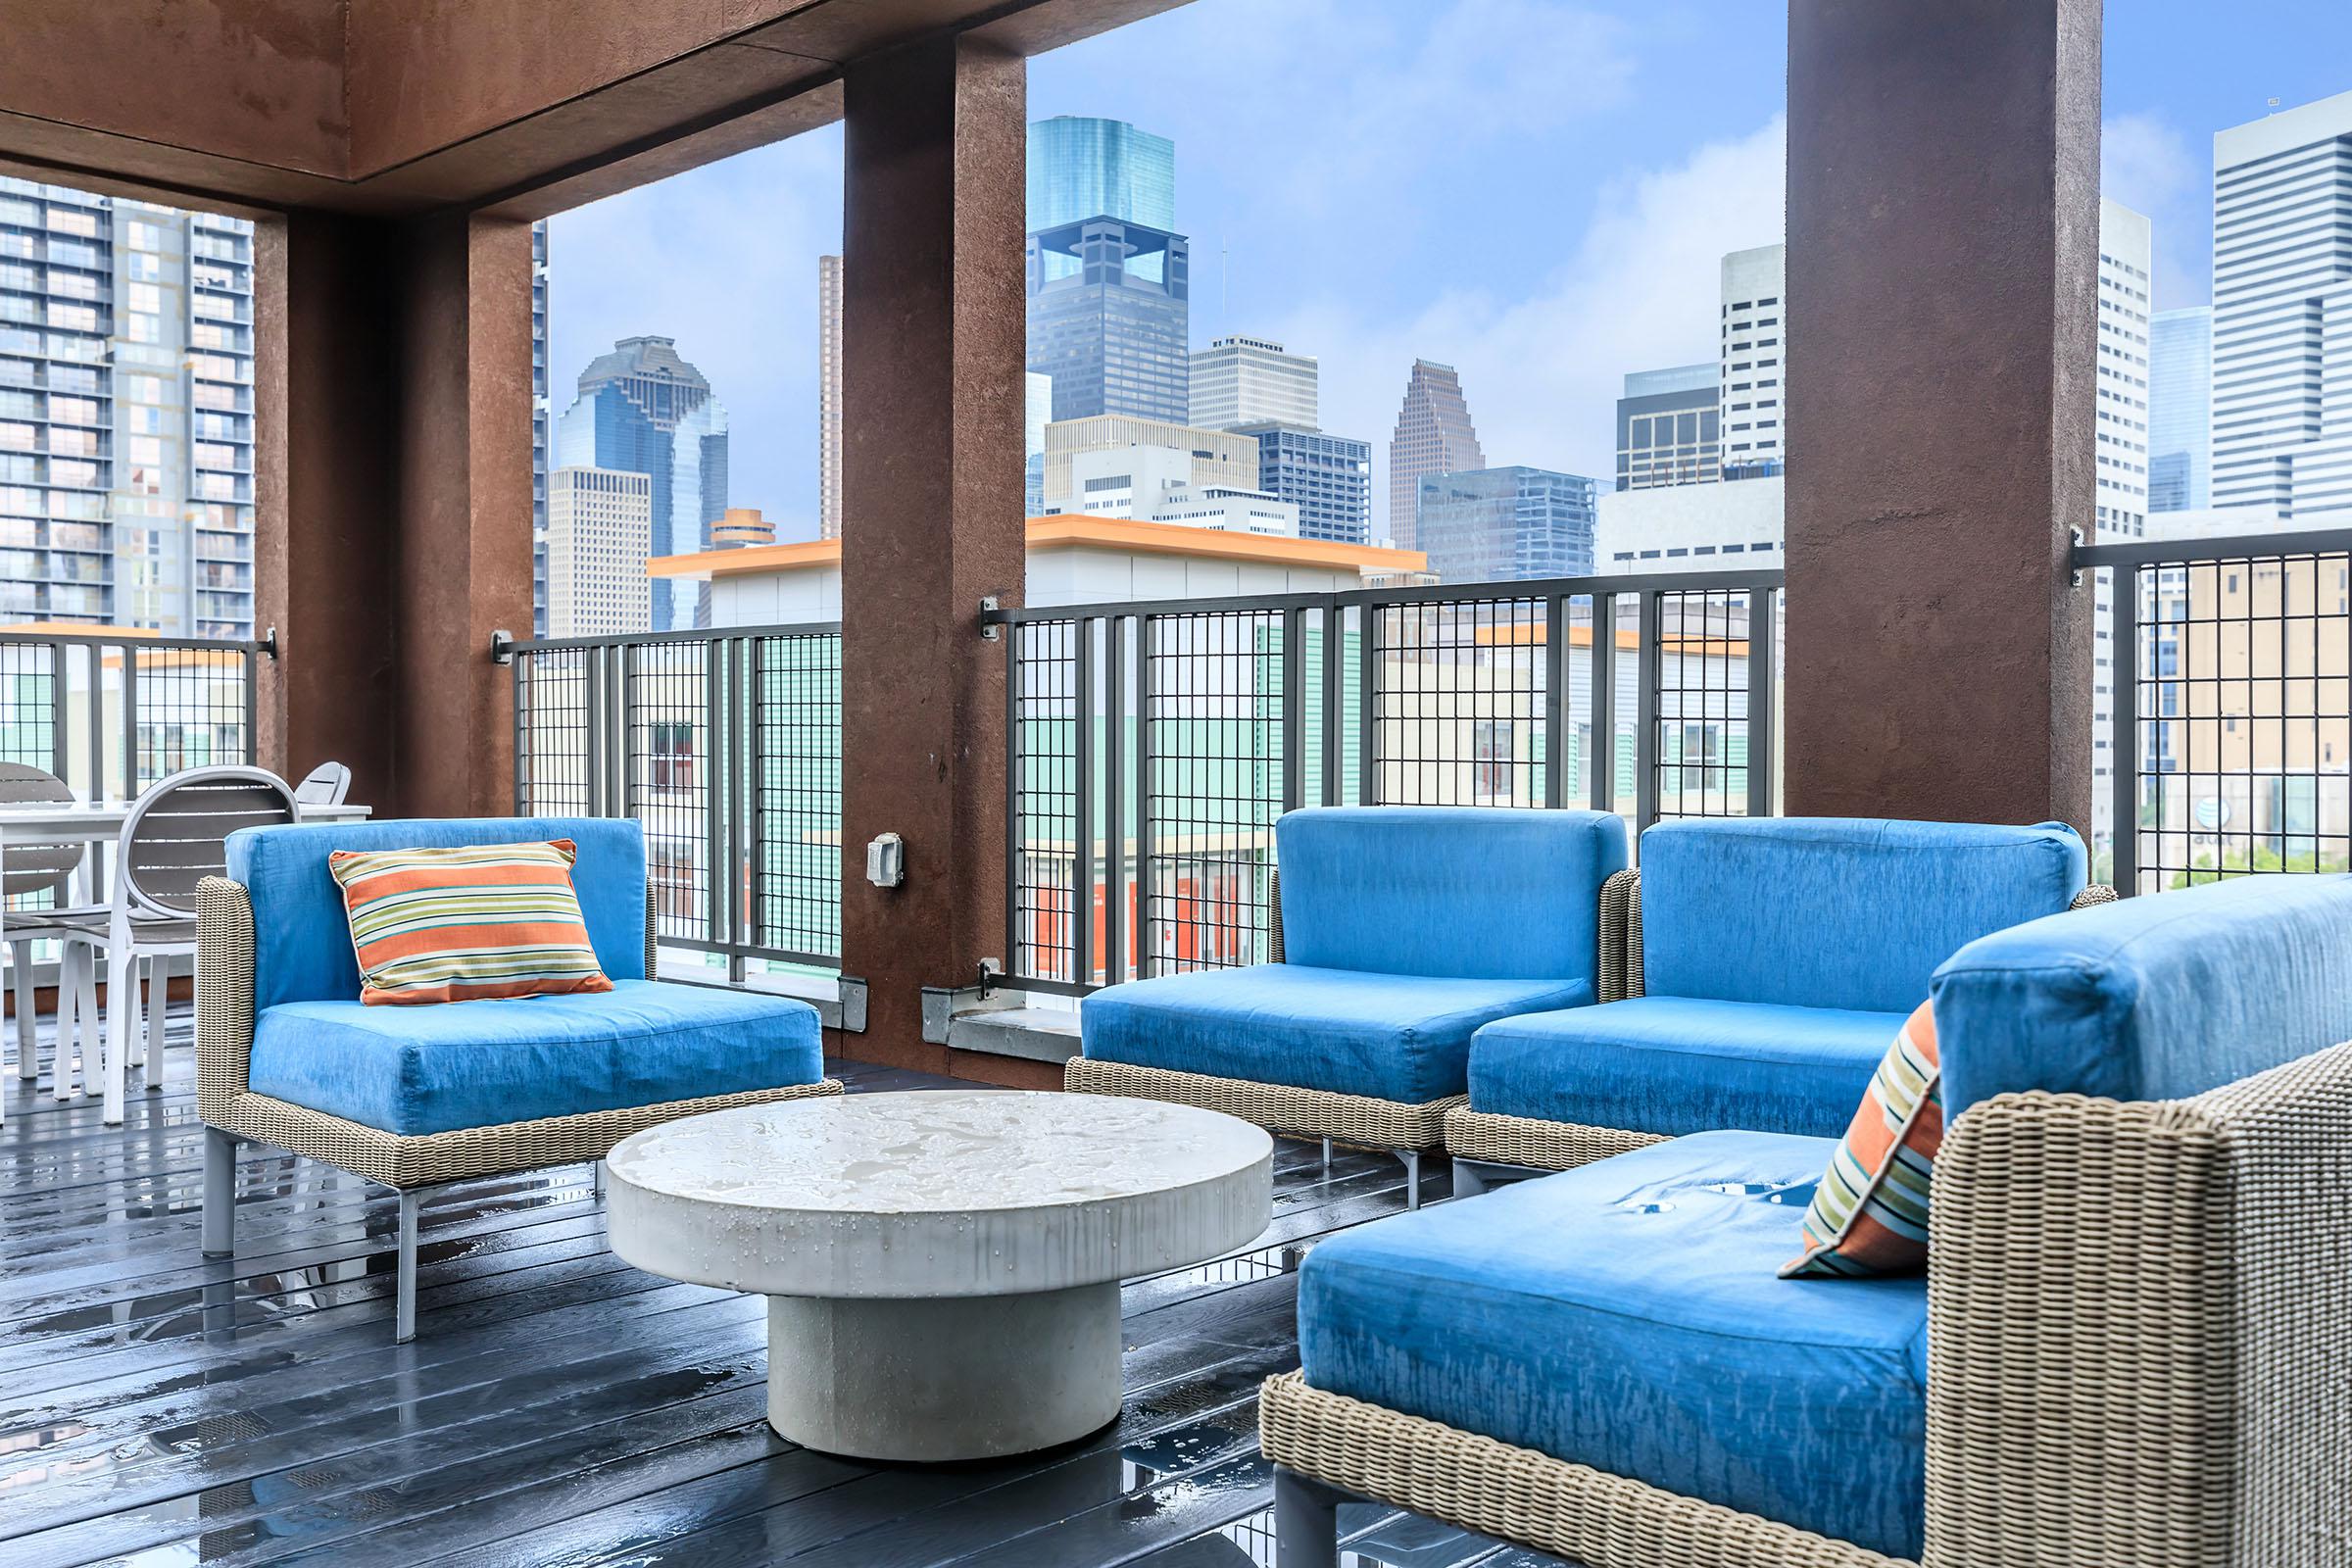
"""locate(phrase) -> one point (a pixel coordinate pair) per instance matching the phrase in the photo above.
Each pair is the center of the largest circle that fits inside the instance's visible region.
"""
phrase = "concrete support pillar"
(934, 339)
(394, 513)
(1944, 211)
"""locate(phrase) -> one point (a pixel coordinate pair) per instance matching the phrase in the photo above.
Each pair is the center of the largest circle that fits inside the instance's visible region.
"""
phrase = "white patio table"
(941, 1266)
(101, 823)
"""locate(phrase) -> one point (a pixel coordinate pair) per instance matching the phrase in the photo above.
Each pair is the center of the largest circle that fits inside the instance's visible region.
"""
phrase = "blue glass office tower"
(1081, 168)
(1114, 333)
(2181, 410)
(642, 408)
(1326, 477)
(1505, 524)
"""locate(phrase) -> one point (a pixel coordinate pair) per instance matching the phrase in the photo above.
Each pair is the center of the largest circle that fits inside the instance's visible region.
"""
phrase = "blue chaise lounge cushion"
(1625, 1316)
(1683, 1065)
(301, 934)
(1837, 911)
(2152, 998)
(1392, 1036)
(432, 1069)
(1472, 893)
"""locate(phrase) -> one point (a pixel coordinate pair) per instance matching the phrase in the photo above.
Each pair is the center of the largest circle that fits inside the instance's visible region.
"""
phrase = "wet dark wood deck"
(557, 1405)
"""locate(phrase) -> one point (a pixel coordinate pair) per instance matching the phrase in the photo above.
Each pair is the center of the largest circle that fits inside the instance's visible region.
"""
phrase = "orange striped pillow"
(1870, 1214)
(468, 922)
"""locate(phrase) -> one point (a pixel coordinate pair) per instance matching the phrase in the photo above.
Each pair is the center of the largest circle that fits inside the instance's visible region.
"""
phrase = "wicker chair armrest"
(223, 995)
(1274, 915)
(2094, 893)
(652, 935)
(1620, 974)
(2137, 1315)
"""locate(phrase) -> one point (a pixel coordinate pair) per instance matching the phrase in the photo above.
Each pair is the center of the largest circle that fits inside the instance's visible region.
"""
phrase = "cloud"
(1543, 371)
(2146, 164)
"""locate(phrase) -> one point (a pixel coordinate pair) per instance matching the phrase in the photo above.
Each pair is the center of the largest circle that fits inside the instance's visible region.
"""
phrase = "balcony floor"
(557, 1405)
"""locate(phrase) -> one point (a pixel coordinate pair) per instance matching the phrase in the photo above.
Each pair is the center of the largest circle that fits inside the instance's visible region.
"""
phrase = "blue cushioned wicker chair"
(1400, 930)
(2127, 1348)
(1756, 971)
(415, 1096)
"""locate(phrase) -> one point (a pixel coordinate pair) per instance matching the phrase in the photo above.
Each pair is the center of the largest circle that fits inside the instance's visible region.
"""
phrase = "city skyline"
(1544, 319)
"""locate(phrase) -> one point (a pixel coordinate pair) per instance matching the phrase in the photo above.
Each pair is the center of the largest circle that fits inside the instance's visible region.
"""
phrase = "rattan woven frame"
(2135, 1320)
(1518, 1495)
(225, 1019)
(1357, 1119)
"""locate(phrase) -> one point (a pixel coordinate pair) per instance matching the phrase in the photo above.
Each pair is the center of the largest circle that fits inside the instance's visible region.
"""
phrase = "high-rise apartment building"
(1253, 380)
(599, 533)
(1669, 427)
(1115, 330)
(828, 397)
(125, 413)
(2181, 410)
(1081, 168)
(2282, 313)
(2127, 251)
(642, 408)
(1326, 477)
(539, 427)
(1434, 435)
(1506, 524)
(1754, 356)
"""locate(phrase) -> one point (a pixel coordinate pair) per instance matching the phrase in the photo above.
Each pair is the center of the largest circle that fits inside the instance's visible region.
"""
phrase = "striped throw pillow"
(1870, 1214)
(465, 923)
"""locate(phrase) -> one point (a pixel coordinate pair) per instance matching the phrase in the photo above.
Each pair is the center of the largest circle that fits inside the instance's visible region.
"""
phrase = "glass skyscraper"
(2181, 410)
(1113, 333)
(540, 408)
(125, 413)
(1082, 168)
(642, 408)
(1506, 524)
(1326, 477)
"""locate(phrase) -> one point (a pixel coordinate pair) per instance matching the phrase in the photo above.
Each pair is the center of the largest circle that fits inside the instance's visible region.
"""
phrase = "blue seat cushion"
(1392, 1036)
(1486, 893)
(1683, 1065)
(1837, 911)
(2153, 998)
(302, 931)
(1625, 1316)
(436, 1068)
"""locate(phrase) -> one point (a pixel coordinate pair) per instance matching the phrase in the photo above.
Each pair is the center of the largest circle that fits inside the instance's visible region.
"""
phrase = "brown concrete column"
(932, 327)
(1942, 352)
(393, 514)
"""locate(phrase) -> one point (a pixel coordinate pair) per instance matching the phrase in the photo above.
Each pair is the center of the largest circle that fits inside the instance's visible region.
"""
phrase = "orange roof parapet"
(1067, 533)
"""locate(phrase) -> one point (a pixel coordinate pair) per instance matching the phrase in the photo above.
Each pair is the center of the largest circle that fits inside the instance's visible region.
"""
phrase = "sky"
(1537, 192)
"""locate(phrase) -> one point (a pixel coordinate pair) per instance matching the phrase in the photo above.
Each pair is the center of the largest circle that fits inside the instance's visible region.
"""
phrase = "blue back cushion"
(1468, 892)
(2155, 998)
(1833, 911)
(301, 937)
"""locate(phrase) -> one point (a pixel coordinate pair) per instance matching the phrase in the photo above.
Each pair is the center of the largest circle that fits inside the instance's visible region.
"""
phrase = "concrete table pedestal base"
(942, 1267)
(974, 1377)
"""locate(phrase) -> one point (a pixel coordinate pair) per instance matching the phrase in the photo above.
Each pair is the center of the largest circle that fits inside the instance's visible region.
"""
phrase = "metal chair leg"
(1306, 1520)
(123, 998)
(1468, 1180)
(1327, 1153)
(158, 999)
(404, 1310)
(29, 1067)
(596, 1178)
(1412, 1176)
(220, 1193)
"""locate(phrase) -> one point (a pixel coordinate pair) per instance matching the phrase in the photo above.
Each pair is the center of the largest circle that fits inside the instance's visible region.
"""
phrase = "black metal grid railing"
(2228, 746)
(726, 746)
(111, 713)
(1153, 746)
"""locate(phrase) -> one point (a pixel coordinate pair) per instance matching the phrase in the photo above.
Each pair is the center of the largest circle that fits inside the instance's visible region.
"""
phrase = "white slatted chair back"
(324, 785)
(33, 869)
(176, 834)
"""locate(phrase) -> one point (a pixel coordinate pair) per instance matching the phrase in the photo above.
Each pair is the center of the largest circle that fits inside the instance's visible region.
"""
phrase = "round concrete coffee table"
(942, 1267)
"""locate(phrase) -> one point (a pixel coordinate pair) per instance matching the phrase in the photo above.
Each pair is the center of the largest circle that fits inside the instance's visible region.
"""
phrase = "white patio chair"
(62, 872)
(324, 785)
(174, 837)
